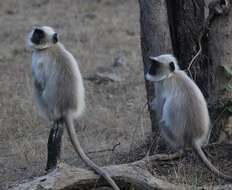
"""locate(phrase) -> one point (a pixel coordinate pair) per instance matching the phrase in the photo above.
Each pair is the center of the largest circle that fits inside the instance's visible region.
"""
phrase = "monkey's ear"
(172, 66)
(154, 60)
(55, 38)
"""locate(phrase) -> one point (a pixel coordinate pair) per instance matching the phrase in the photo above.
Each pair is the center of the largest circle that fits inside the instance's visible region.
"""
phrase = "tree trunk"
(155, 40)
(186, 21)
(220, 53)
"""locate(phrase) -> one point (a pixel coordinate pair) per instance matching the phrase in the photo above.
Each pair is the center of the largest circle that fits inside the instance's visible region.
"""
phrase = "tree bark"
(155, 40)
(186, 20)
(220, 46)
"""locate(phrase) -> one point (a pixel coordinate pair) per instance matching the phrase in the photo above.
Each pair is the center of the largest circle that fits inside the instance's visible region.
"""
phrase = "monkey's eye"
(55, 38)
(172, 66)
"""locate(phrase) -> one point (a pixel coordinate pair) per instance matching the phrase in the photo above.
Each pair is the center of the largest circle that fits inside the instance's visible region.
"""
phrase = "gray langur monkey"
(181, 108)
(59, 90)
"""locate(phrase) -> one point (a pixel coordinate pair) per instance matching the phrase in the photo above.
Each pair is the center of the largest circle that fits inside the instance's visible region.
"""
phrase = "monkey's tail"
(76, 144)
(208, 164)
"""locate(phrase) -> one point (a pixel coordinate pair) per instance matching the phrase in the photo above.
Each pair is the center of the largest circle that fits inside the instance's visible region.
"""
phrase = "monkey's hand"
(157, 105)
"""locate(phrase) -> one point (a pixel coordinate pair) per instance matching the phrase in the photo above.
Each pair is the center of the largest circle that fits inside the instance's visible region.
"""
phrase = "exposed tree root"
(129, 175)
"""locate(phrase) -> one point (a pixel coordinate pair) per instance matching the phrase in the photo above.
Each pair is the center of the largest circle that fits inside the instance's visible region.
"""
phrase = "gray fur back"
(184, 114)
(63, 90)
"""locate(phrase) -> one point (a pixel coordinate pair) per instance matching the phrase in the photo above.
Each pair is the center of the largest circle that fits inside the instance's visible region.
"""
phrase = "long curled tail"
(208, 164)
(76, 144)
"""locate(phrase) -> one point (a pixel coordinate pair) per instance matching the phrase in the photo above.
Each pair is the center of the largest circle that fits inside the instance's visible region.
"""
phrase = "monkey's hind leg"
(54, 145)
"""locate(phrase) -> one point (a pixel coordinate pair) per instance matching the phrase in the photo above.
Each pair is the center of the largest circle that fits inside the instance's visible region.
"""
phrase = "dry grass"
(95, 31)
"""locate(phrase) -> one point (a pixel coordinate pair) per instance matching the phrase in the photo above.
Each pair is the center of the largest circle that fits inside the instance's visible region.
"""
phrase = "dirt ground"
(100, 34)
(104, 37)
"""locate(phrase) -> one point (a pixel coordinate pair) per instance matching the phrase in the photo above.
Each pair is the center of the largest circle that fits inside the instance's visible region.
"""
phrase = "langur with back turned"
(59, 90)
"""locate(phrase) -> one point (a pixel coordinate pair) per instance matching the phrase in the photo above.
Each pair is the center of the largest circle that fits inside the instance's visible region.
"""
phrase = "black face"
(155, 65)
(38, 36)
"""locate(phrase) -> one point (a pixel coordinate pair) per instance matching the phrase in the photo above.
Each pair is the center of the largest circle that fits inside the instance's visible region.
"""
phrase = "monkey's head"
(42, 38)
(162, 67)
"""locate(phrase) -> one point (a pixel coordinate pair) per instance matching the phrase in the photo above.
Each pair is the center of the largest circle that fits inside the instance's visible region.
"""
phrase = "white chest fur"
(41, 65)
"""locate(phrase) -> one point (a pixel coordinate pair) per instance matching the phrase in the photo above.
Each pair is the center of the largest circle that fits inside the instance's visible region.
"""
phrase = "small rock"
(104, 74)
(119, 59)
(90, 16)
(10, 12)
(108, 76)
(130, 32)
